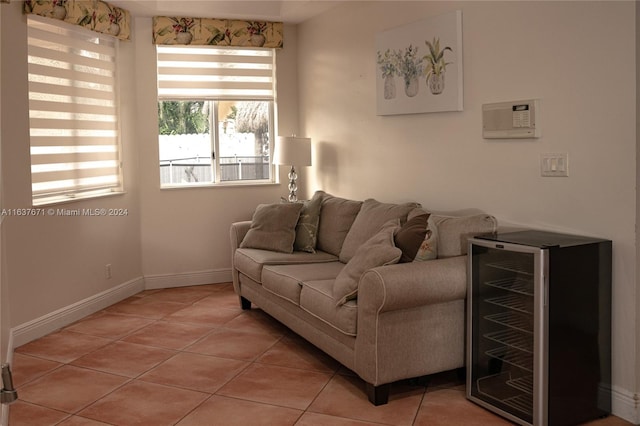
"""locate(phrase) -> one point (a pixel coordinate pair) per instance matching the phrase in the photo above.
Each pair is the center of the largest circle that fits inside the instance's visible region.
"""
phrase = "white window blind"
(204, 72)
(73, 112)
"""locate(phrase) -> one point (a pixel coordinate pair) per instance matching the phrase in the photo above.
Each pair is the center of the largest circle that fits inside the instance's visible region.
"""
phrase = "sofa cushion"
(371, 217)
(336, 217)
(251, 261)
(410, 236)
(378, 250)
(286, 280)
(453, 232)
(316, 297)
(273, 227)
(307, 227)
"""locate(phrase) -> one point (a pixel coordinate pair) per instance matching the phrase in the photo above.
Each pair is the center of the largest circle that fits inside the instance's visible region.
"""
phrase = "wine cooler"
(539, 327)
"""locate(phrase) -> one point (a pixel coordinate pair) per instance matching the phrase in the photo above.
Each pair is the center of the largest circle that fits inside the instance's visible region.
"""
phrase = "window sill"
(220, 185)
(53, 201)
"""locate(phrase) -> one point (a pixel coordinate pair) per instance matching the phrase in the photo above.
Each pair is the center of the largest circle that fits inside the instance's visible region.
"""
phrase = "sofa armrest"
(409, 285)
(412, 312)
(238, 231)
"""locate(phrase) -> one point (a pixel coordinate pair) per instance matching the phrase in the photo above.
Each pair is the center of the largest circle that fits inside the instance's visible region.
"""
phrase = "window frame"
(214, 131)
(78, 192)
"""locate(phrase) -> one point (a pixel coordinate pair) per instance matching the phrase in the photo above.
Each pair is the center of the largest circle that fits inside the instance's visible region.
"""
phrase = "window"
(73, 114)
(215, 115)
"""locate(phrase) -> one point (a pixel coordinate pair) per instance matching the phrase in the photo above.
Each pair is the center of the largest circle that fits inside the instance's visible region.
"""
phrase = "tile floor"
(191, 357)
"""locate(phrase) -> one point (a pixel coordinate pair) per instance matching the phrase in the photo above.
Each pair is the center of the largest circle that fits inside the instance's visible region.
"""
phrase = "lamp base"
(293, 187)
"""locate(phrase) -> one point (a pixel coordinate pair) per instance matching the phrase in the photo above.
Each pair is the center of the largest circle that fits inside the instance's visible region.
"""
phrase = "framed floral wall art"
(419, 66)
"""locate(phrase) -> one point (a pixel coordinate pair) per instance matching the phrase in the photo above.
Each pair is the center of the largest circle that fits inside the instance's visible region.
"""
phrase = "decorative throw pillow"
(371, 217)
(410, 236)
(307, 227)
(273, 227)
(428, 249)
(376, 251)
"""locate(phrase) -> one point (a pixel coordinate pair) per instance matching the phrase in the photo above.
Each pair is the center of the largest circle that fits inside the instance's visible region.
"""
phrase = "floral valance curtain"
(95, 15)
(216, 32)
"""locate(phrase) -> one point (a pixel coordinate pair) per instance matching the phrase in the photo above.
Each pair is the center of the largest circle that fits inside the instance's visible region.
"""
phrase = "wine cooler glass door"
(503, 347)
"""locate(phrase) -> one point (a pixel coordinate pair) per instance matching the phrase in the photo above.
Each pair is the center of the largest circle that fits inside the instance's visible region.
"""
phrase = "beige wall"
(577, 57)
(53, 262)
(185, 232)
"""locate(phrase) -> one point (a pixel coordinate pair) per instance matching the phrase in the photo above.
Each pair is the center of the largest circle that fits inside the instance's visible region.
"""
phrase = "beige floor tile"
(146, 307)
(234, 344)
(81, 421)
(25, 414)
(221, 299)
(196, 372)
(69, 388)
(63, 346)
(168, 335)
(286, 387)
(111, 326)
(296, 352)
(444, 406)
(26, 368)
(345, 396)
(222, 411)
(203, 314)
(315, 419)
(182, 294)
(124, 359)
(144, 404)
(256, 321)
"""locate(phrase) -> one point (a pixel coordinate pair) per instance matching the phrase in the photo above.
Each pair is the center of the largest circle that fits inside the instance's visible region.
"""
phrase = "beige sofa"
(402, 320)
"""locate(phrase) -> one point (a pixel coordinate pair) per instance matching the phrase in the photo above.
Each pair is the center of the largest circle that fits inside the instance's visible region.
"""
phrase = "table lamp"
(292, 151)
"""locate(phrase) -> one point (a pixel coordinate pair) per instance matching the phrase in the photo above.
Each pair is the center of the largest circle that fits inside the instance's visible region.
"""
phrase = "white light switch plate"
(554, 164)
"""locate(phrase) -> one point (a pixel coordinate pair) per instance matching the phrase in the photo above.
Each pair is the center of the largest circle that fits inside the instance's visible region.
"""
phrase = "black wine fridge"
(539, 327)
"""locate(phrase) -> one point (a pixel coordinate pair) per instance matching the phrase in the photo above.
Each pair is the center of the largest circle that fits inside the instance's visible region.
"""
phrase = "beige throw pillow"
(379, 250)
(273, 227)
(371, 217)
(307, 227)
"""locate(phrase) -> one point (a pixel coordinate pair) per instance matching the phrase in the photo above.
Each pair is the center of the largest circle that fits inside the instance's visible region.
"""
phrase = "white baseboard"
(213, 276)
(44, 325)
(625, 404)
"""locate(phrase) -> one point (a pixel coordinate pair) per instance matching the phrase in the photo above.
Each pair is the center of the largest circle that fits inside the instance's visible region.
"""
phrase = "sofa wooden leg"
(378, 395)
(245, 303)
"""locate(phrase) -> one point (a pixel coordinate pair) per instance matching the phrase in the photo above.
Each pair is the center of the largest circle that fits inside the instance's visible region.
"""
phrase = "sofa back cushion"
(453, 232)
(336, 217)
(369, 220)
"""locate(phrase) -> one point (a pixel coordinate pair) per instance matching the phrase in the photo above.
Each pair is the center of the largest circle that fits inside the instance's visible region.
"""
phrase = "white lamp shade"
(292, 151)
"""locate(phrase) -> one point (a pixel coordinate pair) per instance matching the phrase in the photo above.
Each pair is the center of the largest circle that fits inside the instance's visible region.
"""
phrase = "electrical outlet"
(107, 271)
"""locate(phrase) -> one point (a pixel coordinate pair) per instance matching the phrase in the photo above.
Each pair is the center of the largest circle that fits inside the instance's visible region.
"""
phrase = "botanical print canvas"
(419, 66)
